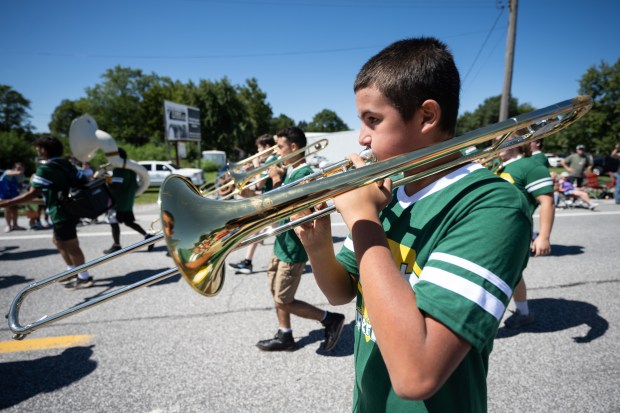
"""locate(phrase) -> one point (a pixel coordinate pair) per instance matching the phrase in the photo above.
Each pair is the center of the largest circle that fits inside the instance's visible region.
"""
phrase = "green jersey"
(287, 246)
(52, 180)
(530, 177)
(541, 158)
(124, 186)
(461, 243)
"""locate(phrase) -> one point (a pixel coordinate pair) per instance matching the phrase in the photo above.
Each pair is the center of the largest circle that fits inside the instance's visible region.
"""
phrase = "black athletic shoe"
(280, 342)
(79, 283)
(152, 245)
(243, 267)
(333, 329)
(67, 280)
(518, 320)
(113, 248)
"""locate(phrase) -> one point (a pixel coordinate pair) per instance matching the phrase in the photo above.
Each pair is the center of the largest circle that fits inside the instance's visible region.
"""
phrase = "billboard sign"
(182, 122)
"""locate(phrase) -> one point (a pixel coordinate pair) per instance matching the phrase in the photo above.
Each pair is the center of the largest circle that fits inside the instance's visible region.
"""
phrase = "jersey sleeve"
(346, 256)
(469, 278)
(539, 182)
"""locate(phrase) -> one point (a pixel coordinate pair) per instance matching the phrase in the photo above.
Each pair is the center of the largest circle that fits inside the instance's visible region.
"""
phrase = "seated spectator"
(567, 188)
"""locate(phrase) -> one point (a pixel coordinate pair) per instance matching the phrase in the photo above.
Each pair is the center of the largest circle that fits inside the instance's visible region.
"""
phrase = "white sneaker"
(593, 205)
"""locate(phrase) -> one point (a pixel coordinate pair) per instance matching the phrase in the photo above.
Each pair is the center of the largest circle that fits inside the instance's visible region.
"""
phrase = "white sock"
(286, 330)
(522, 307)
(84, 275)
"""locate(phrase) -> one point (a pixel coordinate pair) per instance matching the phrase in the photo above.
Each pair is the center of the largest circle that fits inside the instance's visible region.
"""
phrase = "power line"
(501, 11)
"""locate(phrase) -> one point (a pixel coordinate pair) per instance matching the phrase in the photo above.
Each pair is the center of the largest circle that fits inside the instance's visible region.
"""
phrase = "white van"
(219, 157)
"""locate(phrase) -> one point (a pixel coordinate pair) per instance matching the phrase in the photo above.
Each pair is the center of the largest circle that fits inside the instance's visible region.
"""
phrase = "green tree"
(281, 122)
(16, 148)
(224, 124)
(259, 111)
(488, 113)
(599, 129)
(117, 104)
(63, 115)
(326, 121)
(14, 109)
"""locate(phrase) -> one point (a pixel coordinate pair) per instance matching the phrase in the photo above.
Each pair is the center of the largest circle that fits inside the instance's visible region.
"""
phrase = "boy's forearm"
(332, 277)
(547, 216)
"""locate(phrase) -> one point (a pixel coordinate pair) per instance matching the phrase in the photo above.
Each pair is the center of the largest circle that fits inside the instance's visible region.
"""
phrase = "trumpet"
(201, 232)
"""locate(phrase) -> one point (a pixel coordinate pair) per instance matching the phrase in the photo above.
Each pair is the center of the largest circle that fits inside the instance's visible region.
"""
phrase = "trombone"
(240, 176)
(242, 164)
(201, 232)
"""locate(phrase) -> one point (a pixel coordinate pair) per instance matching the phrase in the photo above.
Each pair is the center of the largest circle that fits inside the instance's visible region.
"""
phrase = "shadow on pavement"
(7, 281)
(113, 283)
(343, 348)
(555, 314)
(7, 255)
(22, 380)
(562, 250)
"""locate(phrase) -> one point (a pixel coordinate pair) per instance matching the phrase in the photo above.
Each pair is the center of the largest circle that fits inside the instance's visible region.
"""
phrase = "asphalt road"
(165, 348)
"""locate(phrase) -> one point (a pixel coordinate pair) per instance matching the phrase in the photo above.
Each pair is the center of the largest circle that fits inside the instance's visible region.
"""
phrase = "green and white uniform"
(541, 158)
(287, 246)
(461, 243)
(530, 177)
(124, 186)
(52, 180)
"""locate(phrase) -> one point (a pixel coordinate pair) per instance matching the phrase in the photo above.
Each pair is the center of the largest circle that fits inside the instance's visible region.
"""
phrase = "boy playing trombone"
(432, 264)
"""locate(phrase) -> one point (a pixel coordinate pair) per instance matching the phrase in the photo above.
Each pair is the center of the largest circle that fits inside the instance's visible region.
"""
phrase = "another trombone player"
(433, 264)
(289, 260)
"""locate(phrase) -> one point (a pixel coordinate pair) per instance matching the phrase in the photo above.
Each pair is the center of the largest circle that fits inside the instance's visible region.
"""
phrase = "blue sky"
(304, 53)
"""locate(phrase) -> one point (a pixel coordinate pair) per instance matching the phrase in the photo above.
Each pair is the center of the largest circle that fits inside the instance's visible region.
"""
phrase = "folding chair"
(593, 187)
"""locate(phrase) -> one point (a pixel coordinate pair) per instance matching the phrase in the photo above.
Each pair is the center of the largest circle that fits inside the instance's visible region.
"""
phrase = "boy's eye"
(372, 120)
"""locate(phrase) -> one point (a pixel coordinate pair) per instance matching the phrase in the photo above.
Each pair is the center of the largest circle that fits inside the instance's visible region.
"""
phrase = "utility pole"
(510, 57)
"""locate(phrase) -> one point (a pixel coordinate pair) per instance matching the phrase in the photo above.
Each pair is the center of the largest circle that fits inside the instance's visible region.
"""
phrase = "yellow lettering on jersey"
(362, 322)
(404, 257)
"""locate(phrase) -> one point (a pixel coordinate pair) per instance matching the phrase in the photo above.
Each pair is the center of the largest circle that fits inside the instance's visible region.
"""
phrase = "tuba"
(85, 138)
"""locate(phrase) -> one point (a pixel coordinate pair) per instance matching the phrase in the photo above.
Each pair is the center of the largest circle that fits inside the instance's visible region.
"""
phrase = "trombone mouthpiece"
(368, 156)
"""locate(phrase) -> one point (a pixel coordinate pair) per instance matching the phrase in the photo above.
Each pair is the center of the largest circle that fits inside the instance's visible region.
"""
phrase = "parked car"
(555, 161)
(159, 170)
(604, 165)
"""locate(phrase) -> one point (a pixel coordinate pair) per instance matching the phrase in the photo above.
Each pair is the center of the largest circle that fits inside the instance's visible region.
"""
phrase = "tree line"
(128, 104)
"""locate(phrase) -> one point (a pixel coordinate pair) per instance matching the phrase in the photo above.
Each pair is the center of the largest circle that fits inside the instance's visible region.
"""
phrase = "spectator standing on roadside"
(616, 154)
(10, 186)
(577, 165)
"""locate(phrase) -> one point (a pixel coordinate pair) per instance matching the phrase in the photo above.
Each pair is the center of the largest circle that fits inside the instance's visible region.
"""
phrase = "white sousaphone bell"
(85, 138)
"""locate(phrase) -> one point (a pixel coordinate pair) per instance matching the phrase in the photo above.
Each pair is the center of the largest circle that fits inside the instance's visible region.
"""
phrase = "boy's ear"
(431, 114)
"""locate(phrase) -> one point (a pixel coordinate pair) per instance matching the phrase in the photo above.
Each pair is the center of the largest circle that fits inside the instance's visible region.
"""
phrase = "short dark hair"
(410, 71)
(51, 144)
(265, 140)
(294, 135)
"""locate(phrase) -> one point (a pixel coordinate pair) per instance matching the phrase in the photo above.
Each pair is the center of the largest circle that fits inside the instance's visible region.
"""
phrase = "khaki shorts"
(284, 278)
